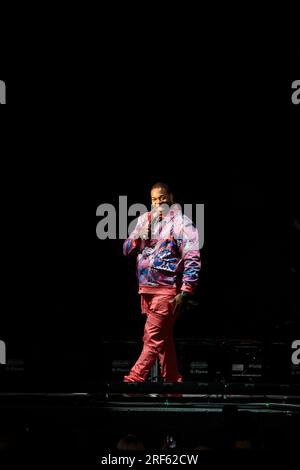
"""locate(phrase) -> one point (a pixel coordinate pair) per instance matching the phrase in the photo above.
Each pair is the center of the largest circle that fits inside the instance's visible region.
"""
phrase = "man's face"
(161, 198)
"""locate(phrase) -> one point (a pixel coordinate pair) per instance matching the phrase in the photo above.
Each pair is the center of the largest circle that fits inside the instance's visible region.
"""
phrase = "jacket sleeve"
(133, 244)
(188, 244)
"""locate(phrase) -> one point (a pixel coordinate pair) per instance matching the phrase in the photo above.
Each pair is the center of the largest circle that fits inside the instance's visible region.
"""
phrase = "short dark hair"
(162, 185)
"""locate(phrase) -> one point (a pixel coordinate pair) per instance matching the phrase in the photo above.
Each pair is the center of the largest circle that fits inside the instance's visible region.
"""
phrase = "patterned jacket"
(170, 256)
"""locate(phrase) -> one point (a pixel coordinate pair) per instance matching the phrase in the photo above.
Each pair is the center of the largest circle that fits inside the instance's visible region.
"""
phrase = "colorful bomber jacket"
(170, 255)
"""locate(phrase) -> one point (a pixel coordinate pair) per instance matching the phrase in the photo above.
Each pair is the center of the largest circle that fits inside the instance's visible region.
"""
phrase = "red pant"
(158, 340)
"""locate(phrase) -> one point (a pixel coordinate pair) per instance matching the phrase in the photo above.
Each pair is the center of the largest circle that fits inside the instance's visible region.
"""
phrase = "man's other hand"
(178, 304)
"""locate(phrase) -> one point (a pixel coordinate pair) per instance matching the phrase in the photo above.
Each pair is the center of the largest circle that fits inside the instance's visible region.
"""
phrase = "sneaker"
(128, 378)
(173, 381)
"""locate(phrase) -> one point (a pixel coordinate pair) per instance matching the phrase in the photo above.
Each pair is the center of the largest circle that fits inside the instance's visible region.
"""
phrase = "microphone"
(149, 215)
(152, 216)
(156, 215)
(159, 220)
(160, 212)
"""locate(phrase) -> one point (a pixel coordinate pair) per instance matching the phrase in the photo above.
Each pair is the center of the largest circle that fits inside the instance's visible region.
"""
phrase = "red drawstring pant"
(158, 340)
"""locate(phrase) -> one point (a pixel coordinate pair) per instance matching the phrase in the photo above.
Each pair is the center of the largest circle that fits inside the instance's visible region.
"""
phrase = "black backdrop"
(222, 132)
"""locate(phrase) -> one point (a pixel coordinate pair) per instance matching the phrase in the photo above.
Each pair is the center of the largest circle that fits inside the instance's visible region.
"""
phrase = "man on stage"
(166, 244)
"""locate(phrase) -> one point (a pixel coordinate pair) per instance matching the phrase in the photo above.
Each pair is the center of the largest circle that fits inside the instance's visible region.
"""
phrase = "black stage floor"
(149, 397)
(86, 425)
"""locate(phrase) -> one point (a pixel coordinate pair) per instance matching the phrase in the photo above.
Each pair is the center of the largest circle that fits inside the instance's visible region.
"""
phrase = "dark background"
(217, 124)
